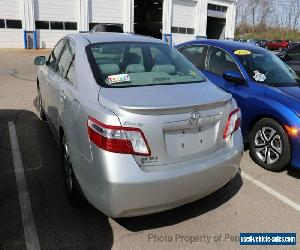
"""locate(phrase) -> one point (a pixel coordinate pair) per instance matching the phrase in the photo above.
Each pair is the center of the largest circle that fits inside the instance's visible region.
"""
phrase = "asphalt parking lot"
(255, 201)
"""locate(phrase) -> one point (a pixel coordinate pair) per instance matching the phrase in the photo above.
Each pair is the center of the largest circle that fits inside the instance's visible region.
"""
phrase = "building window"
(2, 24)
(43, 25)
(70, 26)
(57, 25)
(106, 27)
(174, 29)
(215, 7)
(190, 31)
(13, 24)
(91, 25)
(182, 30)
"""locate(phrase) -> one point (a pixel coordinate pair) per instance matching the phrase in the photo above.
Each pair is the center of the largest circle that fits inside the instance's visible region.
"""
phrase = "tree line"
(268, 18)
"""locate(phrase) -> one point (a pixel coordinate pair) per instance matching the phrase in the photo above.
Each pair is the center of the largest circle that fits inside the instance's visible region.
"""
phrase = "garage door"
(106, 11)
(183, 20)
(11, 33)
(54, 19)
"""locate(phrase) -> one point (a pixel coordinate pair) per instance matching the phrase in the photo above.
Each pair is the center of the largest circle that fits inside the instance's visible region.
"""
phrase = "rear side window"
(66, 58)
(54, 56)
(220, 61)
(127, 64)
(196, 54)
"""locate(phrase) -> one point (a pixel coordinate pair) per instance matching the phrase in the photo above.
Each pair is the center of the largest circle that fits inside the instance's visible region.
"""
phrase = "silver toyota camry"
(141, 129)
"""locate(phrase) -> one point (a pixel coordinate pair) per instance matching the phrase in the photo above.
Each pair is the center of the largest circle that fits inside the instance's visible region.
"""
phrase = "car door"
(64, 79)
(51, 86)
(292, 58)
(196, 54)
(219, 61)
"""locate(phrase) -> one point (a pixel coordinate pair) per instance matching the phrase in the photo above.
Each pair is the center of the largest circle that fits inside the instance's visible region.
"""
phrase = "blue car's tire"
(270, 147)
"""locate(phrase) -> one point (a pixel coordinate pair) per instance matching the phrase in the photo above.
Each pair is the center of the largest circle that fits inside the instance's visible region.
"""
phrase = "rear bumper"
(130, 191)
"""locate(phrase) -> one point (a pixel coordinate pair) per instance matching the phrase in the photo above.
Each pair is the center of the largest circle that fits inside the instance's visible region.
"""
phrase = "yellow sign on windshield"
(242, 52)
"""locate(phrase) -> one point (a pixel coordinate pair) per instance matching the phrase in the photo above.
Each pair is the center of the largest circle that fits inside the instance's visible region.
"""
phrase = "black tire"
(40, 105)
(73, 189)
(270, 147)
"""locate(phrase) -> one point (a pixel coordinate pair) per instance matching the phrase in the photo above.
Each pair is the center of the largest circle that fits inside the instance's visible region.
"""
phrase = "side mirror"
(234, 76)
(39, 60)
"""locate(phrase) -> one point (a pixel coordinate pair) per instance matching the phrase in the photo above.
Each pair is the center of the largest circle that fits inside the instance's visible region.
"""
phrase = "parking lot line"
(31, 238)
(271, 191)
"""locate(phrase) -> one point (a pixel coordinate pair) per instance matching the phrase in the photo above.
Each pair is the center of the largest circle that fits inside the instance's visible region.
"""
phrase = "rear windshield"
(139, 64)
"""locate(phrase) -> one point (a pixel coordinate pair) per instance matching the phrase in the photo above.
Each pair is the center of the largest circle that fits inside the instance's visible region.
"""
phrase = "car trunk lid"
(180, 122)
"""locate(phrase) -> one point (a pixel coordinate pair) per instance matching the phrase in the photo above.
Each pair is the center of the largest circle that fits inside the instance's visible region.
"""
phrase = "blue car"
(267, 91)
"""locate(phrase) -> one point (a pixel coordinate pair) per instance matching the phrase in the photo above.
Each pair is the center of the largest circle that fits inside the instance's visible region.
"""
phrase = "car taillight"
(118, 139)
(233, 123)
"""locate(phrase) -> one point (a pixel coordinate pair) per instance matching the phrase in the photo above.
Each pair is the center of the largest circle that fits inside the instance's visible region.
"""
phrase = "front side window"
(140, 64)
(66, 58)
(266, 68)
(220, 61)
(54, 56)
(196, 54)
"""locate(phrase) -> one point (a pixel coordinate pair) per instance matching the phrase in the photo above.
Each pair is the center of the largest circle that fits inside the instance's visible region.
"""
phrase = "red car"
(276, 45)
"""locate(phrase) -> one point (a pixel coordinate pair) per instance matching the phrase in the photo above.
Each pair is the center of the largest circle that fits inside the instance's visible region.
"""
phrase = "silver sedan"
(141, 129)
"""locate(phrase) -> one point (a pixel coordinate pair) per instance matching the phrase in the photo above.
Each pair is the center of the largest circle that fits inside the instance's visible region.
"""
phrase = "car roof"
(223, 44)
(102, 37)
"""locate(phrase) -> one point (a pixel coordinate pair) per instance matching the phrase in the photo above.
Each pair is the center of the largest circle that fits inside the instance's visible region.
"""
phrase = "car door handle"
(62, 95)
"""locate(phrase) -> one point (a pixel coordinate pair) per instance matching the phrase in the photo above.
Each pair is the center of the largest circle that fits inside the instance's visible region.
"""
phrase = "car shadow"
(293, 172)
(59, 225)
(185, 212)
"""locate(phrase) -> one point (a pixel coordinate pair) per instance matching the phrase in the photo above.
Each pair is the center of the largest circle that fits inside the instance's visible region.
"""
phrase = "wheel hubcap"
(268, 145)
(68, 169)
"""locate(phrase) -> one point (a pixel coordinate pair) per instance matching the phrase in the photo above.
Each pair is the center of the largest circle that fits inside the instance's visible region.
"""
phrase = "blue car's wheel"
(269, 145)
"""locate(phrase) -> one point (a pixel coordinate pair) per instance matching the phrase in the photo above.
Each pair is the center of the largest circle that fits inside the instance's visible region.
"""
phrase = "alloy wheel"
(268, 145)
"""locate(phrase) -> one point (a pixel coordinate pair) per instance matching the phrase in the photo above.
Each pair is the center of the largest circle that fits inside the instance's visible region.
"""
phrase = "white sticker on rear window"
(259, 77)
(118, 78)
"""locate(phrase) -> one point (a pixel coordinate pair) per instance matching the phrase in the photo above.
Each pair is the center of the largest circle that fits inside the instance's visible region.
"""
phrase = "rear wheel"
(40, 105)
(269, 145)
(71, 183)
